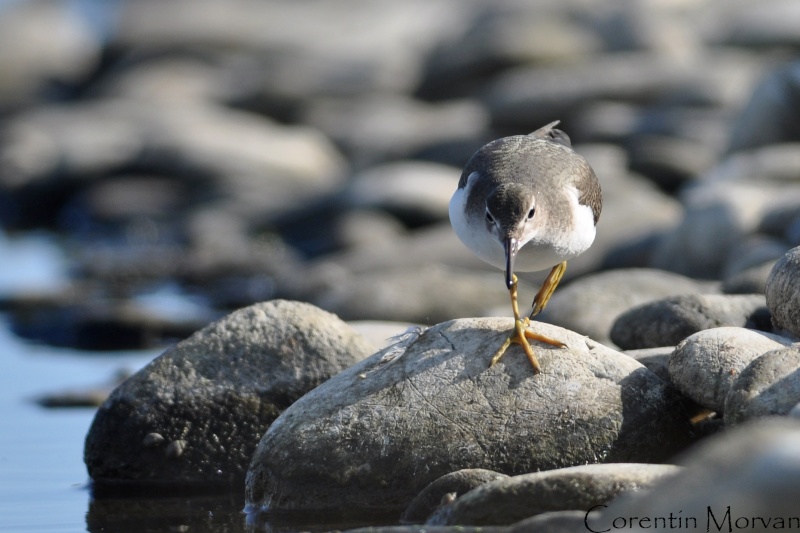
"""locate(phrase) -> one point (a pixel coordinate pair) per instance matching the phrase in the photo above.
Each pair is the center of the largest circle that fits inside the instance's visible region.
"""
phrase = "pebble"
(445, 490)
(769, 385)
(511, 500)
(427, 295)
(718, 216)
(50, 45)
(656, 360)
(591, 304)
(668, 321)
(783, 296)
(750, 469)
(706, 364)
(214, 394)
(375, 435)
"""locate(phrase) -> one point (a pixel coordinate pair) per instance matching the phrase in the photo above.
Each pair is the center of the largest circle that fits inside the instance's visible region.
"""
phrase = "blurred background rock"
(186, 158)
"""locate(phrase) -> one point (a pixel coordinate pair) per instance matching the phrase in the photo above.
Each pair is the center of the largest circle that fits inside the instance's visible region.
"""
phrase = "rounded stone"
(706, 364)
(507, 501)
(590, 305)
(783, 292)
(770, 385)
(668, 321)
(193, 415)
(374, 436)
(446, 488)
(750, 469)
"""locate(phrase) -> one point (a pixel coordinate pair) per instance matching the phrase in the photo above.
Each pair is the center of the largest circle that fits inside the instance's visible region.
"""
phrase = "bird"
(529, 202)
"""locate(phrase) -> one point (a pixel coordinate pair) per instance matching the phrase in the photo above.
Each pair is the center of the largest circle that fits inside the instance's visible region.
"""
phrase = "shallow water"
(44, 486)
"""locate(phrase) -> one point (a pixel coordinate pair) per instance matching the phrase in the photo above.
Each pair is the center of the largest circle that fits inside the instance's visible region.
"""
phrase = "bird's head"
(511, 219)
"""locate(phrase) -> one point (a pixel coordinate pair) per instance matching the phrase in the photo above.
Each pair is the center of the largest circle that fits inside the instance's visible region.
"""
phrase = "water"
(43, 482)
(44, 486)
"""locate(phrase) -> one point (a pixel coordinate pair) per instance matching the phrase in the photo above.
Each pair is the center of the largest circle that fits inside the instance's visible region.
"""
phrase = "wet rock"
(87, 318)
(783, 293)
(213, 395)
(576, 488)
(591, 304)
(706, 364)
(445, 490)
(375, 435)
(769, 385)
(751, 470)
(668, 321)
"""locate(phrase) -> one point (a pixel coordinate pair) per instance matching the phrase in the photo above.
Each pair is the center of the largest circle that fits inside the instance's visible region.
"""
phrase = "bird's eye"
(489, 217)
(531, 213)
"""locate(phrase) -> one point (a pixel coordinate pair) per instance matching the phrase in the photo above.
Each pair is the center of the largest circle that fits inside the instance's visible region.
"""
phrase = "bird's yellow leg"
(548, 288)
(522, 333)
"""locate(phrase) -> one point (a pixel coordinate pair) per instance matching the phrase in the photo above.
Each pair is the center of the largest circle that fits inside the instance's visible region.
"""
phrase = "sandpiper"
(528, 202)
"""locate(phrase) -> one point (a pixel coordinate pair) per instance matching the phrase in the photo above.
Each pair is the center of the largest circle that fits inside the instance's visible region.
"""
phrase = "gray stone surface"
(375, 435)
(211, 397)
(591, 304)
(706, 364)
(668, 321)
(551, 522)
(769, 385)
(718, 216)
(427, 295)
(783, 292)
(576, 488)
(444, 490)
(753, 469)
(654, 359)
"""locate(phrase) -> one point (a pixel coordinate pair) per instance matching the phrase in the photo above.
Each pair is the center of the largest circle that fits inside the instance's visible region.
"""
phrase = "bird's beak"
(510, 245)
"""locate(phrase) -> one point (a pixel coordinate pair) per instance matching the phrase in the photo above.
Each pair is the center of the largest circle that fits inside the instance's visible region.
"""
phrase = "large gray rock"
(783, 292)
(575, 488)
(753, 470)
(668, 321)
(706, 364)
(194, 414)
(590, 305)
(770, 385)
(375, 435)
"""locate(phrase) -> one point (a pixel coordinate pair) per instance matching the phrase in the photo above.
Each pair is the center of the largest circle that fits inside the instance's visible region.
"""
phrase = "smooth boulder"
(507, 501)
(668, 321)
(194, 415)
(374, 436)
(770, 385)
(783, 292)
(706, 364)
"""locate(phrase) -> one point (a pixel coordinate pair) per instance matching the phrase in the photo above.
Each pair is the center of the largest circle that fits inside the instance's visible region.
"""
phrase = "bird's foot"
(521, 334)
